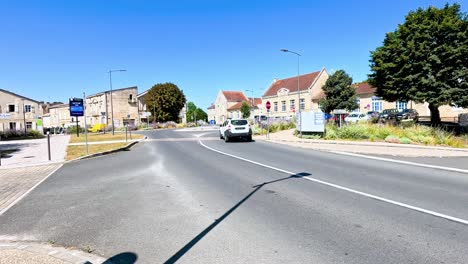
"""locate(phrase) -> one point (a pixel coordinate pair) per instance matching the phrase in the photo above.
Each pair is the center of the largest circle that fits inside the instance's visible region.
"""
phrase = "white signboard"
(5, 116)
(311, 122)
(145, 114)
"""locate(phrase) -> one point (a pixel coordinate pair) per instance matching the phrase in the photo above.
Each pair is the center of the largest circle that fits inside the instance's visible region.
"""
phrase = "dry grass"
(103, 137)
(74, 152)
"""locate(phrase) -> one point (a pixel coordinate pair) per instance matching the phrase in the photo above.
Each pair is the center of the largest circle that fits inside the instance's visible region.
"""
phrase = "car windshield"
(353, 115)
(239, 122)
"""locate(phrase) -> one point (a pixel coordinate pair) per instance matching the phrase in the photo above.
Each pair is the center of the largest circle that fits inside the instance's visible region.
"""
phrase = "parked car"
(235, 128)
(355, 117)
(407, 114)
(373, 114)
(388, 114)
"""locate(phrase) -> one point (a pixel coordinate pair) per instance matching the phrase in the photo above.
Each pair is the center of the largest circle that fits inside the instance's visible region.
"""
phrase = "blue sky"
(53, 50)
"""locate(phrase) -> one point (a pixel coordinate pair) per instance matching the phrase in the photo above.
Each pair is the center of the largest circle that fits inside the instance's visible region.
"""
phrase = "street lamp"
(298, 89)
(252, 101)
(112, 106)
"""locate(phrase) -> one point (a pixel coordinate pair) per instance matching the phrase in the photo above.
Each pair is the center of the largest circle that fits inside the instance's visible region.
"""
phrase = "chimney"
(274, 80)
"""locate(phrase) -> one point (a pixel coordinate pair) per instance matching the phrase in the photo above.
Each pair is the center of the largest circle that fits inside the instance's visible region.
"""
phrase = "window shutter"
(17, 108)
(33, 109)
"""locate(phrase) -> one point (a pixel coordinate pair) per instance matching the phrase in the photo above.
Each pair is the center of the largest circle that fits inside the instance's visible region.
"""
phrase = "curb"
(106, 152)
(354, 143)
(55, 251)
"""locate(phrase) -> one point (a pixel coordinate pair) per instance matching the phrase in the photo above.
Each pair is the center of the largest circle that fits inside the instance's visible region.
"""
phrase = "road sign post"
(268, 106)
(76, 110)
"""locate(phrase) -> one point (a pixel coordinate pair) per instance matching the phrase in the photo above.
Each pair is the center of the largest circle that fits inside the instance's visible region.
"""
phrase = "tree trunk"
(435, 115)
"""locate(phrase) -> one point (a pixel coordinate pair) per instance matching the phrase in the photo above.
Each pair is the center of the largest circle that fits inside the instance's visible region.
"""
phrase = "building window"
(28, 125)
(11, 108)
(292, 106)
(275, 106)
(358, 102)
(283, 106)
(27, 108)
(302, 103)
(376, 103)
(401, 105)
(130, 97)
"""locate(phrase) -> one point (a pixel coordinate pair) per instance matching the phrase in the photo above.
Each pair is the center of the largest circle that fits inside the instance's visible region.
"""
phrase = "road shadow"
(240, 140)
(5, 154)
(122, 258)
(196, 239)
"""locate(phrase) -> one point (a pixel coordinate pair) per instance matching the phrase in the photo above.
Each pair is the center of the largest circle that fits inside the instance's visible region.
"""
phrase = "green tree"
(339, 93)
(245, 109)
(165, 100)
(425, 60)
(191, 109)
(201, 115)
(194, 113)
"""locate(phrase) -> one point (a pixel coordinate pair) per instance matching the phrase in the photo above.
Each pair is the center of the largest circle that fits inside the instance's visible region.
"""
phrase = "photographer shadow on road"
(200, 236)
(122, 258)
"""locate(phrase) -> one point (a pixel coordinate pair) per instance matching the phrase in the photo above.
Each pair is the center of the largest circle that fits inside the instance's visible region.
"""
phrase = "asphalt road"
(172, 199)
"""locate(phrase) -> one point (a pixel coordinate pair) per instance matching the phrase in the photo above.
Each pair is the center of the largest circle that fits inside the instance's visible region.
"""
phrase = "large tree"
(425, 60)
(245, 109)
(165, 100)
(339, 93)
(195, 114)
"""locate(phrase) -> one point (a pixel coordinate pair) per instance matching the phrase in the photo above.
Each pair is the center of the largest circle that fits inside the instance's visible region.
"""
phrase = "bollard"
(126, 139)
(48, 144)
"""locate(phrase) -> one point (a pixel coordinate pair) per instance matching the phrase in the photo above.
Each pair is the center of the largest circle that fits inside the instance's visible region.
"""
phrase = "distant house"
(234, 110)
(224, 101)
(369, 101)
(59, 116)
(124, 103)
(18, 112)
(211, 112)
(283, 94)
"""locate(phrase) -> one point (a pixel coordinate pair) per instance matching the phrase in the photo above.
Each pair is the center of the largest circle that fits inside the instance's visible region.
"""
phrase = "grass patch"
(74, 152)
(414, 134)
(103, 137)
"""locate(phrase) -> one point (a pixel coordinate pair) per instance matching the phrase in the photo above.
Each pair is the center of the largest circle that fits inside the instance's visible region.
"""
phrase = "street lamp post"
(112, 105)
(298, 88)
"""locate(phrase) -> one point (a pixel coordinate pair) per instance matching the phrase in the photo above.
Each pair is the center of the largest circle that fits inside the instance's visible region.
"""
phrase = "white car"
(355, 117)
(235, 128)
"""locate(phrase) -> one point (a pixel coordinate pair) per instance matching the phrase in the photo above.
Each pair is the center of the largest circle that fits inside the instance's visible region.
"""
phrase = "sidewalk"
(287, 137)
(37, 253)
(21, 153)
(15, 182)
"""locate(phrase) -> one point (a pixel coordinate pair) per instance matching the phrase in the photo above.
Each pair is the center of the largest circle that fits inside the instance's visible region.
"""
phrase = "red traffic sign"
(268, 105)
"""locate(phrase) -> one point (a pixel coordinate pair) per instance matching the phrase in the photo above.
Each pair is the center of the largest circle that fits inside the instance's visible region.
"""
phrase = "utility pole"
(112, 106)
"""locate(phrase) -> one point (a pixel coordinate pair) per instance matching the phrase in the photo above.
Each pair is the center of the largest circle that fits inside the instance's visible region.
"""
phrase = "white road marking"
(401, 162)
(28, 191)
(415, 208)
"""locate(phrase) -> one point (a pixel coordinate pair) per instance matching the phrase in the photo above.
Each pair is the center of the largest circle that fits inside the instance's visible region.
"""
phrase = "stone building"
(18, 112)
(224, 101)
(368, 101)
(59, 116)
(284, 94)
(234, 111)
(125, 107)
(211, 113)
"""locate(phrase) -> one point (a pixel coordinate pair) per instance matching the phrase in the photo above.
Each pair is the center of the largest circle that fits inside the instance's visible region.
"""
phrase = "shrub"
(73, 129)
(392, 139)
(405, 140)
(19, 134)
(353, 132)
